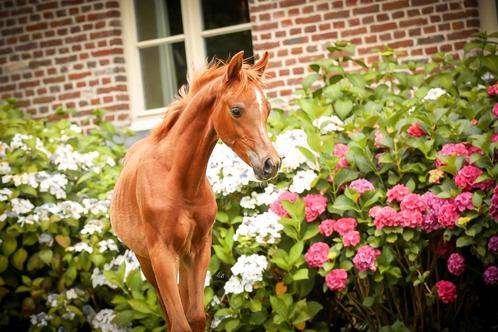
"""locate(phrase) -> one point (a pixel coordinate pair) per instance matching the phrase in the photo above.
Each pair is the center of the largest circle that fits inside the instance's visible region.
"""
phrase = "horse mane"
(199, 79)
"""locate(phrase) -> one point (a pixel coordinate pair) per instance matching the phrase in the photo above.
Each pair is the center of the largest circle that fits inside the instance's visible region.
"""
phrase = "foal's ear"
(260, 66)
(234, 67)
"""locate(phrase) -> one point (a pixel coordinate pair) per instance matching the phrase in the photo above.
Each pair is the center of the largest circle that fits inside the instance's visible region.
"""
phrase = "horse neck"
(190, 142)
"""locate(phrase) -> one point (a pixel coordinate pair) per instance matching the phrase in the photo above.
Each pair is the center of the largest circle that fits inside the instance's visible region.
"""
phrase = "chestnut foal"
(163, 207)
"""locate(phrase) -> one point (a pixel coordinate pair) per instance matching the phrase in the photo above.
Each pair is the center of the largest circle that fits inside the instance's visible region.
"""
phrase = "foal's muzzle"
(268, 168)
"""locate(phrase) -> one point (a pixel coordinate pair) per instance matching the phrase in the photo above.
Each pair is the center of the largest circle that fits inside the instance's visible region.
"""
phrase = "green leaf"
(123, 318)
(301, 274)
(345, 175)
(4, 263)
(343, 107)
(342, 203)
(140, 306)
(295, 252)
(19, 258)
(309, 80)
(46, 256)
(464, 241)
(368, 301)
(9, 245)
(311, 230)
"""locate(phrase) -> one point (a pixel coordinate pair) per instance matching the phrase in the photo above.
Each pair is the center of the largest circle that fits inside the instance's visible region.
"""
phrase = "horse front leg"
(164, 263)
(195, 269)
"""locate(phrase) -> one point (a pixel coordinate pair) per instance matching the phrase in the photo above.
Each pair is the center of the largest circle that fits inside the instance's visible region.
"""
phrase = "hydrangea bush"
(60, 265)
(385, 213)
(384, 216)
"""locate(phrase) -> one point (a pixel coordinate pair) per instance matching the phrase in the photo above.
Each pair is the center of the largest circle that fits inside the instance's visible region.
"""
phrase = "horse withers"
(163, 207)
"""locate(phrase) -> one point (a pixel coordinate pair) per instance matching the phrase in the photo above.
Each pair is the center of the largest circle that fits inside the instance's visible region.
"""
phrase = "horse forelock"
(199, 79)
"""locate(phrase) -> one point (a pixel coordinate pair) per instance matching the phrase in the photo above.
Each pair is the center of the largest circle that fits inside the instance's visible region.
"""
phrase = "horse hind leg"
(148, 272)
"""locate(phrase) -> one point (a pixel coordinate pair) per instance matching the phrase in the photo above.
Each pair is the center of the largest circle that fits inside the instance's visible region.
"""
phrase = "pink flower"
(277, 206)
(327, 227)
(456, 264)
(314, 205)
(416, 131)
(365, 258)
(473, 149)
(495, 109)
(361, 186)
(467, 176)
(397, 193)
(374, 210)
(410, 218)
(337, 279)
(344, 225)
(491, 275)
(413, 202)
(464, 201)
(317, 254)
(386, 217)
(340, 150)
(342, 163)
(378, 136)
(446, 290)
(492, 90)
(447, 215)
(351, 239)
(458, 149)
(493, 244)
(494, 138)
(493, 209)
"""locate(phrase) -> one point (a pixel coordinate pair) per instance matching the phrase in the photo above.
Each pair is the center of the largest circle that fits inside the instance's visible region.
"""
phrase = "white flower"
(75, 128)
(267, 197)
(286, 144)
(247, 271)
(80, 246)
(72, 294)
(302, 181)
(46, 238)
(264, 228)
(97, 207)
(207, 280)
(67, 159)
(5, 194)
(53, 300)
(233, 286)
(487, 76)
(5, 168)
(52, 183)
(434, 94)
(92, 226)
(17, 142)
(3, 149)
(40, 319)
(103, 321)
(226, 172)
(21, 206)
(328, 124)
(98, 279)
(70, 209)
(69, 315)
(108, 244)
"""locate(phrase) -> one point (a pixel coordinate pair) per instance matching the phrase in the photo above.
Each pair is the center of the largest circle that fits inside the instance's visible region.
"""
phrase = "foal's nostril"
(268, 167)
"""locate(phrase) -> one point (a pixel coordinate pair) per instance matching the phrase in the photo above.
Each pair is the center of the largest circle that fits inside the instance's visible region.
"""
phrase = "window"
(167, 38)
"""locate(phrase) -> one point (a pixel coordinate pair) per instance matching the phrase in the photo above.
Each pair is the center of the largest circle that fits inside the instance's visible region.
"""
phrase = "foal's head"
(241, 113)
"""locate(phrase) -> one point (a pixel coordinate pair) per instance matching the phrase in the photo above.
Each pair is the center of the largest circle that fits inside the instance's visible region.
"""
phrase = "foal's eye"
(235, 112)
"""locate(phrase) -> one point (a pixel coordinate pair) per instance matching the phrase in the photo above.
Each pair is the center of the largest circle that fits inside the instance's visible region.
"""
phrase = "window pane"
(222, 13)
(164, 70)
(224, 46)
(158, 18)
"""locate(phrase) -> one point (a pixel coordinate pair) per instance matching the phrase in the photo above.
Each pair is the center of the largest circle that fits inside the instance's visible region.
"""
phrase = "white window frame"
(194, 38)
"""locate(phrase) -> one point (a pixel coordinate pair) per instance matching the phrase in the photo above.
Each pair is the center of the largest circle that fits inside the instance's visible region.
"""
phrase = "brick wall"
(63, 53)
(295, 32)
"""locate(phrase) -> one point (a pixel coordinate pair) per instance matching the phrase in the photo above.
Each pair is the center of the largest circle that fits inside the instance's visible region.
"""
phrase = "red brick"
(290, 3)
(395, 5)
(337, 14)
(366, 10)
(324, 36)
(383, 27)
(353, 32)
(308, 19)
(413, 22)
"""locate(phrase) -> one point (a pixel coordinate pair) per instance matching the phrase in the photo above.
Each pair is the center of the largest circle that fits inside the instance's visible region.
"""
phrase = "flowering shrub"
(60, 265)
(384, 216)
(385, 200)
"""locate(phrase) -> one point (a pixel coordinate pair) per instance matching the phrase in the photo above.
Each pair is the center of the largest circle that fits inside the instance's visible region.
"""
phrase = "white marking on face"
(259, 100)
